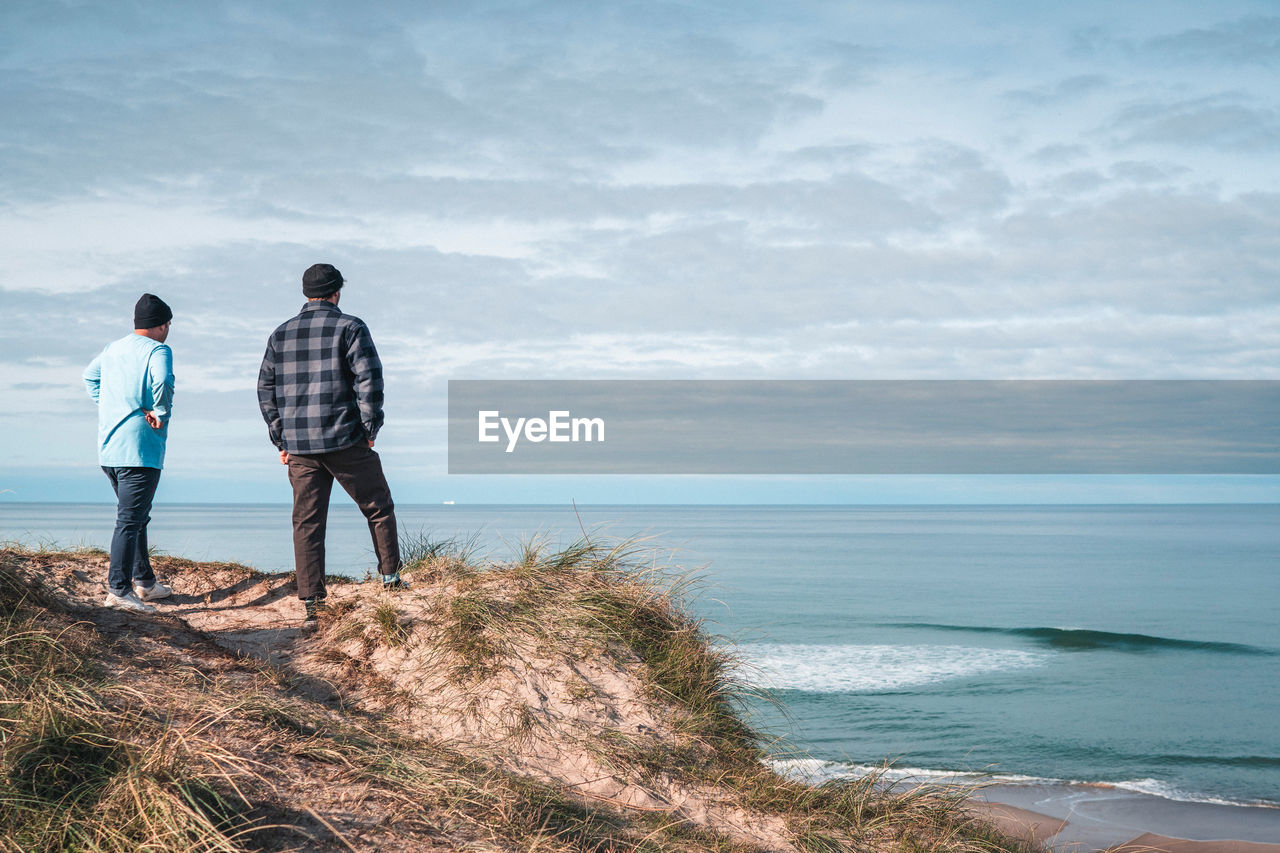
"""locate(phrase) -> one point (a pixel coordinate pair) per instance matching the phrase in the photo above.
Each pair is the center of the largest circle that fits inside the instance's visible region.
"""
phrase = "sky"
(561, 190)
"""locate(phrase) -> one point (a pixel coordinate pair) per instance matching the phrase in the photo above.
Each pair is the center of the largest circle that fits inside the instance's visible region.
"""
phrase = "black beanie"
(321, 280)
(151, 312)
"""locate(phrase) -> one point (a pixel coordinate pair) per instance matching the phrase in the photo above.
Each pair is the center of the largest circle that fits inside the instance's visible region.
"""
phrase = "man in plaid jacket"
(320, 392)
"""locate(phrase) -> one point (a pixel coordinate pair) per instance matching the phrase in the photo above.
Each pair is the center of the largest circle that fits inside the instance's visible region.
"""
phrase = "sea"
(1135, 647)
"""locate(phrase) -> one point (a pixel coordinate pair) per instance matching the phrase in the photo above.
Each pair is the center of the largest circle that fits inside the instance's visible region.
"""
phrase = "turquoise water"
(1135, 645)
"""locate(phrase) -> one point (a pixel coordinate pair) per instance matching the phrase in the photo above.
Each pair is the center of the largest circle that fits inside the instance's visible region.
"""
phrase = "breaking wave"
(1083, 640)
(872, 668)
(814, 771)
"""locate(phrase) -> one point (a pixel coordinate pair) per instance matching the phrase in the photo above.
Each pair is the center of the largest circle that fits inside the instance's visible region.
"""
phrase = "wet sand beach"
(1099, 817)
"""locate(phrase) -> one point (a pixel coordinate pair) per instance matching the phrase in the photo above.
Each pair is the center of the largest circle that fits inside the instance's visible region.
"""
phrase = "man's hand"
(284, 457)
(152, 420)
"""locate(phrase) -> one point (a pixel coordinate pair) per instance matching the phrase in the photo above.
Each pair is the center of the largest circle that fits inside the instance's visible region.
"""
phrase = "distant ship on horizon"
(448, 503)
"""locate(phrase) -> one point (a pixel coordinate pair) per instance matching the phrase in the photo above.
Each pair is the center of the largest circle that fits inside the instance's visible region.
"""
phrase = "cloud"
(1142, 172)
(1078, 182)
(1068, 89)
(1217, 121)
(382, 96)
(1058, 153)
(848, 64)
(836, 155)
(1252, 39)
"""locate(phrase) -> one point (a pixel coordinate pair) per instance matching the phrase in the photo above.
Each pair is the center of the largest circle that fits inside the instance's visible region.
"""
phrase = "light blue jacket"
(131, 375)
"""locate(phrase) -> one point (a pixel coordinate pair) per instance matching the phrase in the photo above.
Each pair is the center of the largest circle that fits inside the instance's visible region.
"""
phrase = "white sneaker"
(151, 593)
(128, 601)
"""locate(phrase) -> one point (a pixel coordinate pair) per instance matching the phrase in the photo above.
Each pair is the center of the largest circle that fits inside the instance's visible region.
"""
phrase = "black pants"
(359, 471)
(135, 488)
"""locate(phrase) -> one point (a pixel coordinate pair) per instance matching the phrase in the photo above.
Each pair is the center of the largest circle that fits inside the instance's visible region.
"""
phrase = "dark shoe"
(314, 607)
(394, 582)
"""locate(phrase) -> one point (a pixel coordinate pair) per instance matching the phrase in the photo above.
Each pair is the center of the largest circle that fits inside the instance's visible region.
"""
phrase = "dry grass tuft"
(394, 631)
(426, 558)
(79, 769)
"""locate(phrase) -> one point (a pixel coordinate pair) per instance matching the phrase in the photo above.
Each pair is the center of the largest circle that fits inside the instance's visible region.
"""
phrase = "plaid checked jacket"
(320, 385)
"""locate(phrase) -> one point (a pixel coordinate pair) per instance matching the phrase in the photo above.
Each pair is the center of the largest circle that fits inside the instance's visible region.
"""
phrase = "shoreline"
(1102, 816)
(1081, 817)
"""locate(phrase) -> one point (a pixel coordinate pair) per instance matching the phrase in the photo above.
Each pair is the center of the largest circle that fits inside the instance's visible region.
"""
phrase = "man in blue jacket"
(131, 380)
(320, 392)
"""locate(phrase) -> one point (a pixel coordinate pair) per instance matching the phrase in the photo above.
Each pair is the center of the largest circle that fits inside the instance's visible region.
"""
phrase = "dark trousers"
(359, 471)
(135, 488)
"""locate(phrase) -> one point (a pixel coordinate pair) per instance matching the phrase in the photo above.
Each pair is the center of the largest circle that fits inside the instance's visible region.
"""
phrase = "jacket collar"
(320, 305)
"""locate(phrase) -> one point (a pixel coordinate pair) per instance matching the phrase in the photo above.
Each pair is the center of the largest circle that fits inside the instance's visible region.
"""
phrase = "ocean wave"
(1084, 639)
(871, 668)
(1166, 791)
(815, 771)
(1221, 760)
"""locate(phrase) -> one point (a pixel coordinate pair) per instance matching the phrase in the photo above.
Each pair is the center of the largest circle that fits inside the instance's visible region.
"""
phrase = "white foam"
(1158, 788)
(815, 771)
(872, 668)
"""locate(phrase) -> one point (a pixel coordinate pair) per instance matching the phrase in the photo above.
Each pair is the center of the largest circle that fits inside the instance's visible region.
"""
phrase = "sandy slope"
(539, 714)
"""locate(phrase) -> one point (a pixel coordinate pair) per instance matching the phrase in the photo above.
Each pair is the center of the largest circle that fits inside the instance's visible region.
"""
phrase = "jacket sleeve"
(93, 378)
(160, 376)
(366, 370)
(267, 395)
